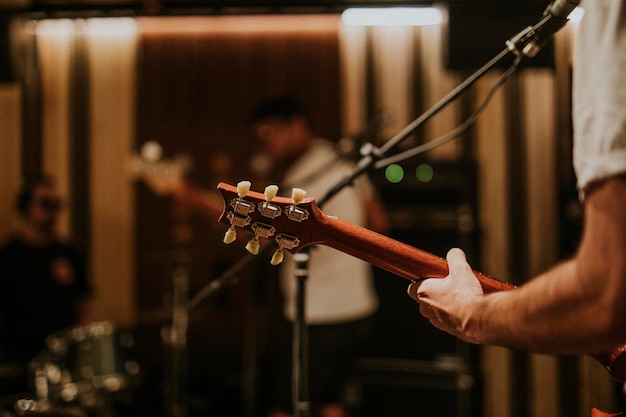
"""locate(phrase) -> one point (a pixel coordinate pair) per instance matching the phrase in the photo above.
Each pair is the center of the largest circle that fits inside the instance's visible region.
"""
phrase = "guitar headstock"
(290, 222)
(162, 175)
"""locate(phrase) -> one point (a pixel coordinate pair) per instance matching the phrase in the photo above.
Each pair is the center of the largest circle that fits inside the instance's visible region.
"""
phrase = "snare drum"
(25, 405)
(33, 408)
(85, 365)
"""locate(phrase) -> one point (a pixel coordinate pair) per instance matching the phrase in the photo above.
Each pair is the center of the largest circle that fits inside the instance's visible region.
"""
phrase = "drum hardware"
(24, 406)
(83, 367)
(29, 407)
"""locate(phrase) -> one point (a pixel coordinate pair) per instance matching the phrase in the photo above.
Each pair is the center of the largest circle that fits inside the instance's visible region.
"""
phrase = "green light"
(394, 173)
(424, 172)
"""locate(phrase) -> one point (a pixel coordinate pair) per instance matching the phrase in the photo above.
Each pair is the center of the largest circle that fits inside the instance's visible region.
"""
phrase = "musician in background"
(340, 294)
(43, 278)
(578, 306)
(340, 299)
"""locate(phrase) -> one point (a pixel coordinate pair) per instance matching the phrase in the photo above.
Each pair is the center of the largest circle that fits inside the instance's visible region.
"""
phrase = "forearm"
(577, 306)
(551, 314)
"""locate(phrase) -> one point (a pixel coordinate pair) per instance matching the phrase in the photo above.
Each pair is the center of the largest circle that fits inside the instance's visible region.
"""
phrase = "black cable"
(458, 130)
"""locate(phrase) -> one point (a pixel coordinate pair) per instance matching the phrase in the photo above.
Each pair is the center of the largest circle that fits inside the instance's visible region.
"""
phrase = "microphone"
(532, 39)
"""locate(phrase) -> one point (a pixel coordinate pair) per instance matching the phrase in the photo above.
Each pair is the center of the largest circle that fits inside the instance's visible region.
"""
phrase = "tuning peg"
(270, 192)
(241, 207)
(278, 257)
(293, 212)
(260, 230)
(253, 246)
(267, 209)
(243, 187)
(230, 236)
(297, 195)
(239, 215)
(284, 242)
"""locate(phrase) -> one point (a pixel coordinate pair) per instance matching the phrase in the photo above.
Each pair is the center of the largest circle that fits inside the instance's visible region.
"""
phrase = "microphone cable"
(425, 147)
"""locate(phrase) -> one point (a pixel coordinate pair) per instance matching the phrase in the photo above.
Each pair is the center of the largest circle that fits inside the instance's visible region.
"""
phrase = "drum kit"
(81, 372)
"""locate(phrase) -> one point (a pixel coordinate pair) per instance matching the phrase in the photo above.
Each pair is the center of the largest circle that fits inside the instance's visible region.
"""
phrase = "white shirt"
(599, 92)
(339, 287)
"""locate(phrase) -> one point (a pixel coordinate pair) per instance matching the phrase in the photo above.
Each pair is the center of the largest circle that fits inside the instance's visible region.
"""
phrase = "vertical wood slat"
(54, 46)
(10, 160)
(491, 137)
(198, 80)
(79, 139)
(32, 113)
(542, 235)
(111, 49)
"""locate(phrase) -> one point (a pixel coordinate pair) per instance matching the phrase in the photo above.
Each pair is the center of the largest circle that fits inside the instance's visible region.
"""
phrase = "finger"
(418, 290)
(412, 291)
(455, 254)
(457, 261)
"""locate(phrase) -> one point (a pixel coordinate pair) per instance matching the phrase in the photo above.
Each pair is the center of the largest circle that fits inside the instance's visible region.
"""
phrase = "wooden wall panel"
(198, 79)
(10, 132)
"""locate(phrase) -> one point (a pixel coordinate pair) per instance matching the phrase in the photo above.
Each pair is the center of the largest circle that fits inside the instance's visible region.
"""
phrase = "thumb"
(457, 262)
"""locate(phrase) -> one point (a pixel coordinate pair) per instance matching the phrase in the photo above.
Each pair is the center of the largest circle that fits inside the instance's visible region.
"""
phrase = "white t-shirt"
(340, 287)
(599, 92)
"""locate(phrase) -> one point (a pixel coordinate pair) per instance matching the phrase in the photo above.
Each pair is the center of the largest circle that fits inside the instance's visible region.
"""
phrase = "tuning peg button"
(297, 195)
(270, 192)
(253, 246)
(278, 257)
(243, 187)
(230, 236)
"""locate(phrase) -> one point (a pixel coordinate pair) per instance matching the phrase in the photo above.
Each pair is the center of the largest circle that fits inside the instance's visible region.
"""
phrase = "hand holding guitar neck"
(295, 223)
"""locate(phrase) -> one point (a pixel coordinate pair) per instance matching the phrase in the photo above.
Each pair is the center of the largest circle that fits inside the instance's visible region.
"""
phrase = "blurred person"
(341, 299)
(43, 279)
(340, 295)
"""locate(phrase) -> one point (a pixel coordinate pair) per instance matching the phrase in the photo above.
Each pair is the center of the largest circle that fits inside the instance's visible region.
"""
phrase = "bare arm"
(576, 307)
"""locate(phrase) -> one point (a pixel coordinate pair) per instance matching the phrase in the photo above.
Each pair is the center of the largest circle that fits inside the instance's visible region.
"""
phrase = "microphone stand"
(175, 334)
(300, 340)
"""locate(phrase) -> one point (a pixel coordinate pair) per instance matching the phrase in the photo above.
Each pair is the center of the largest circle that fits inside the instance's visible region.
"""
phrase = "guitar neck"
(391, 255)
(308, 225)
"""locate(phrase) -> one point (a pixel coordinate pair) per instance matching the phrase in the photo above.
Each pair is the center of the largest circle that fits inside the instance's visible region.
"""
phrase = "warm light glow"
(56, 29)
(392, 16)
(65, 28)
(120, 27)
(178, 25)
